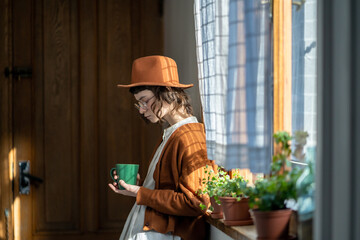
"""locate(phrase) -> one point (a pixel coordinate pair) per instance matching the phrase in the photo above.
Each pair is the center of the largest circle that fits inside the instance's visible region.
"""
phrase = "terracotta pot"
(272, 224)
(236, 213)
(217, 213)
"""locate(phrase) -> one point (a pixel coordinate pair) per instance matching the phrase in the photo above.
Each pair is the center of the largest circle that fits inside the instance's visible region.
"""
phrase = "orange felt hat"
(155, 71)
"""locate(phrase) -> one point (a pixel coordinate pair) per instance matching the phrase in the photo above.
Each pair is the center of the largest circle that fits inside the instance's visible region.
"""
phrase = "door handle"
(25, 178)
(33, 178)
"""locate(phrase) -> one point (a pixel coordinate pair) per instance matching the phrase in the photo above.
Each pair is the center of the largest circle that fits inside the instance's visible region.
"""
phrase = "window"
(234, 39)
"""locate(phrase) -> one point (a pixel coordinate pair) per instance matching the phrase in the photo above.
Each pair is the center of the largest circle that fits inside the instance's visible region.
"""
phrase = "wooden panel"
(57, 204)
(115, 121)
(148, 37)
(22, 114)
(137, 51)
(38, 79)
(70, 119)
(152, 40)
(89, 120)
(282, 65)
(6, 160)
(123, 137)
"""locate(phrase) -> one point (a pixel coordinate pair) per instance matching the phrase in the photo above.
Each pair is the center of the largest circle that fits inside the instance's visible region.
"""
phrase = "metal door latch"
(26, 178)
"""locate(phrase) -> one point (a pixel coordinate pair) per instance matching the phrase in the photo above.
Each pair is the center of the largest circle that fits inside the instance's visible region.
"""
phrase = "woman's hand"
(130, 190)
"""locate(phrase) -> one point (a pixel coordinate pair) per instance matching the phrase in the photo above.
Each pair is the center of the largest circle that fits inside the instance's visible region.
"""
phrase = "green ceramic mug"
(126, 172)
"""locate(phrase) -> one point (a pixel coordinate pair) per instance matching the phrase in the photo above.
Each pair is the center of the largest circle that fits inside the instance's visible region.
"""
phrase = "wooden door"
(69, 119)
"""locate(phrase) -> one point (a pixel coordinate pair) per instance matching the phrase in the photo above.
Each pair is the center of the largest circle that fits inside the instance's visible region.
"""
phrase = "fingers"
(138, 179)
(124, 184)
(115, 178)
(130, 190)
(113, 187)
(117, 190)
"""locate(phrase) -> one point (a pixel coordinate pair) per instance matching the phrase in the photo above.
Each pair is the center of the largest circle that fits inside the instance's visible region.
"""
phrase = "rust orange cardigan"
(173, 206)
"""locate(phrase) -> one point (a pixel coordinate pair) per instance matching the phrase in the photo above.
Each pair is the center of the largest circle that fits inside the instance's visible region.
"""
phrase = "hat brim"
(156, 84)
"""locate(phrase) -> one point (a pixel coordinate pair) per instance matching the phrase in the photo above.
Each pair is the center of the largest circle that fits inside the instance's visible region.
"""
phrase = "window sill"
(247, 232)
(235, 232)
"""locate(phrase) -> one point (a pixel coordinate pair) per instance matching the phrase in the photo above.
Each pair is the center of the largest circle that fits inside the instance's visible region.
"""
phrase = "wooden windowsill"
(247, 232)
(235, 232)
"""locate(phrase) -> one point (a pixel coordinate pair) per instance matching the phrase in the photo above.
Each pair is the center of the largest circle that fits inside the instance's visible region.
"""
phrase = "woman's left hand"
(130, 190)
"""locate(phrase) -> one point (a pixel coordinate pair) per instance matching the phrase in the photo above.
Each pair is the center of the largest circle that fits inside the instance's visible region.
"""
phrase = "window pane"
(304, 77)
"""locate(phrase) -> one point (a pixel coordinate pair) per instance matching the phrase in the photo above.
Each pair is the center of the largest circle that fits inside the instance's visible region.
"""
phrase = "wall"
(179, 44)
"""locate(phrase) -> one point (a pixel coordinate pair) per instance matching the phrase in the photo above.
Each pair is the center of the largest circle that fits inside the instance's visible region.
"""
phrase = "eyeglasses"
(142, 105)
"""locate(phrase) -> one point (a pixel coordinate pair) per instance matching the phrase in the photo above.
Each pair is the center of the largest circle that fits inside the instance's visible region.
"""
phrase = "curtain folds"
(234, 65)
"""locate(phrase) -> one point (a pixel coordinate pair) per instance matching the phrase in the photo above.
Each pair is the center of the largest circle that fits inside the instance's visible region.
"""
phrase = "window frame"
(282, 59)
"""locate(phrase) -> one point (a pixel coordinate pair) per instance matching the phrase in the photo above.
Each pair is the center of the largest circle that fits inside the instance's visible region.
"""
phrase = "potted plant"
(299, 143)
(227, 197)
(234, 202)
(211, 183)
(268, 197)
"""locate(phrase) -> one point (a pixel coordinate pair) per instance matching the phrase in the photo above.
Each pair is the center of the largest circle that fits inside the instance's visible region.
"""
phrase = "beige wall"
(179, 44)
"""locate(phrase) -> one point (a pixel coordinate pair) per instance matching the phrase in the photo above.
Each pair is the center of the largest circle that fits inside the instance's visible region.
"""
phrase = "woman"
(167, 206)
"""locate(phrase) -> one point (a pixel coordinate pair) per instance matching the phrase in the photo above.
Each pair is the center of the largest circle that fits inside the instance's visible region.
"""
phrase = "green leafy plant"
(233, 187)
(219, 184)
(212, 181)
(280, 160)
(272, 193)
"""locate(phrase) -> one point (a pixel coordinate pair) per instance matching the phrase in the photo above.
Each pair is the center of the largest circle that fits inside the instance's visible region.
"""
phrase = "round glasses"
(142, 105)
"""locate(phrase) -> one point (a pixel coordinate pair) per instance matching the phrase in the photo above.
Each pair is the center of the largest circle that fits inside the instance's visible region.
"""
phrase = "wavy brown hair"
(170, 95)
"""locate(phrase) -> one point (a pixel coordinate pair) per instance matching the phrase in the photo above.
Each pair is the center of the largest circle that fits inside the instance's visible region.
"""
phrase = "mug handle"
(111, 174)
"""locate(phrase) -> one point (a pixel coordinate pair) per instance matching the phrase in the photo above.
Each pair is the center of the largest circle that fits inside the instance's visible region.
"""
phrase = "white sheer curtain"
(212, 34)
(304, 72)
(233, 51)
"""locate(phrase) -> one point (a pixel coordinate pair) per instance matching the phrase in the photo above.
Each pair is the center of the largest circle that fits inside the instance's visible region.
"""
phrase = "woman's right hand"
(115, 184)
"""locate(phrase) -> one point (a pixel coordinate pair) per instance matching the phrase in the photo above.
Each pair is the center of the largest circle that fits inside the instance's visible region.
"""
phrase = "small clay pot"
(236, 213)
(272, 224)
(217, 213)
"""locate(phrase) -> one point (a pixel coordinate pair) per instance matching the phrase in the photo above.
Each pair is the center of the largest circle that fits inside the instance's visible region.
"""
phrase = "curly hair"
(170, 95)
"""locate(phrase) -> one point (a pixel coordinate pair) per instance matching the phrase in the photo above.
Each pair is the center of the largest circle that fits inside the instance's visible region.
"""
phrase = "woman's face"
(146, 99)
